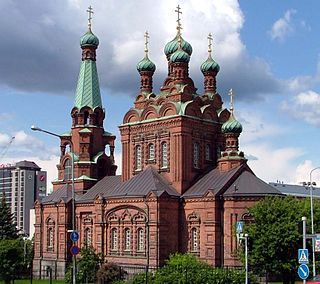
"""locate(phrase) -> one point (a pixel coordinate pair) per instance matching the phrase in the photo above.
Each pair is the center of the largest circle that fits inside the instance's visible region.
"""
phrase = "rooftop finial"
(210, 38)
(90, 12)
(146, 36)
(231, 94)
(179, 28)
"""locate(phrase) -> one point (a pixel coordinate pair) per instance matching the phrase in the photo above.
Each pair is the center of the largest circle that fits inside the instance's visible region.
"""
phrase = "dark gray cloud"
(40, 45)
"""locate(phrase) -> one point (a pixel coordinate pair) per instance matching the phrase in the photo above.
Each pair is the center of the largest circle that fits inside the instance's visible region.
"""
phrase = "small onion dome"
(231, 126)
(146, 65)
(180, 56)
(173, 46)
(210, 65)
(89, 39)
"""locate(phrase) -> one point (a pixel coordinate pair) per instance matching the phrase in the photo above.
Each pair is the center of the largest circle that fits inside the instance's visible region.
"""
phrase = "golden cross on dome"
(178, 21)
(146, 36)
(210, 38)
(231, 94)
(90, 12)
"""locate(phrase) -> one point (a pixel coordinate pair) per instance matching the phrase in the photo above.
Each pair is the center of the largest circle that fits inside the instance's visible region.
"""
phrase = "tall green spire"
(88, 90)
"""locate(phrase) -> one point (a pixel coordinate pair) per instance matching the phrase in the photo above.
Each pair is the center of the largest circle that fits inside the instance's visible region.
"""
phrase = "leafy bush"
(109, 273)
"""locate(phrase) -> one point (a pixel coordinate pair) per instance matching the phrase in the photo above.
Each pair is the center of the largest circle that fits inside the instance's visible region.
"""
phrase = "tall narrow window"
(127, 239)
(88, 237)
(50, 239)
(151, 151)
(67, 170)
(138, 157)
(114, 239)
(164, 155)
(208, 152)
(194, 240)
(140, 240)
(196, 155)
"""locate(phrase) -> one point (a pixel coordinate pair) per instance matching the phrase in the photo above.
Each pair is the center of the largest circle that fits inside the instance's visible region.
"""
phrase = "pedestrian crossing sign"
(303, 256)
(239, 227)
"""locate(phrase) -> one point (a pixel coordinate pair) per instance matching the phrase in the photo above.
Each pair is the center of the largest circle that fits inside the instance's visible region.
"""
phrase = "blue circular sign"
(74, 250)
(303, 271)
(74, 236)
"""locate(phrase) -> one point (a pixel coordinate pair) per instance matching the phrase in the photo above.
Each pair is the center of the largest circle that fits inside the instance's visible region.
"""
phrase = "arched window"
(138, 157)
(88, 237)
(208, 152)
(127, 239)
(50, 239)
(196, 155)
(151, 151)
(86, 118)
(67, 170)
(194, 240)
(140, 240)
(114, 239)
(164, 155)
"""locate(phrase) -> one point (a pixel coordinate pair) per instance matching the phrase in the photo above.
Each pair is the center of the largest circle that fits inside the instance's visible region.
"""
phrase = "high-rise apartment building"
(22, 184)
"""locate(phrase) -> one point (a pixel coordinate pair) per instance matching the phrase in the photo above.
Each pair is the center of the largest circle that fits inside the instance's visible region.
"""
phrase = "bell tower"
(86, 144)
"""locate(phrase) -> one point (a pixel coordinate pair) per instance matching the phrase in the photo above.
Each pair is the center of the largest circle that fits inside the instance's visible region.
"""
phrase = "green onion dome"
(146, 65)
(89, 39)
(173, 45)
(231, 126)
(210, 65)
(180, 56)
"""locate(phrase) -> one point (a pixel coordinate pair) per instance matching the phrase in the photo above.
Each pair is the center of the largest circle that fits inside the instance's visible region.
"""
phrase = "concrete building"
(22, 184)
(184, 181)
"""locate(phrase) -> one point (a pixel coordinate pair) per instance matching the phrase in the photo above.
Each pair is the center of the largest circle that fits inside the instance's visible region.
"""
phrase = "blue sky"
(268, 53)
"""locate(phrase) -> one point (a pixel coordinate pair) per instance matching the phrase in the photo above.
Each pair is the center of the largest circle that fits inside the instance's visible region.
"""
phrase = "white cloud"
(256, 127)
(305, 106)
(273, 163)
(303, 170)
(282, 27)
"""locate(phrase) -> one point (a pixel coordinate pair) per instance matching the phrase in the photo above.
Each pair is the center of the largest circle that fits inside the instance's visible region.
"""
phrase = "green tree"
(187, 269)
(11, 259)
(87, 266)
(8, 229)
(275, 234)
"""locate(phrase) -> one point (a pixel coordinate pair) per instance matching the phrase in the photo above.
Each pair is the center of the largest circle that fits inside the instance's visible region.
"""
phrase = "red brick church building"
(184, 182)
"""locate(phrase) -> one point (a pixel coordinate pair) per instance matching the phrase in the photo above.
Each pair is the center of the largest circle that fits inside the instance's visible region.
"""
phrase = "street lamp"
(310, 184)
(35, 128)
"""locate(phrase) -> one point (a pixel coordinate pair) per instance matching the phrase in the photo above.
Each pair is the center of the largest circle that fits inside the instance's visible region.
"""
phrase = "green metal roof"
(88, 90)
(85, 130)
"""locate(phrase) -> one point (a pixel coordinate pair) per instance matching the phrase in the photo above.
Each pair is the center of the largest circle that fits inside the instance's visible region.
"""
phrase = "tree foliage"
(275, 234)
(110, 273)
(187, 269)
(11, 259)
(8, 229)
(87, 266)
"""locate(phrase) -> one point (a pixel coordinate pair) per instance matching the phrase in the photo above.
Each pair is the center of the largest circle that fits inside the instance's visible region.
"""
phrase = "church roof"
(142, 184)
(213, 181)
(108, 183)
(88, 90)
(247, 184)
(237, 182)
(64, 193)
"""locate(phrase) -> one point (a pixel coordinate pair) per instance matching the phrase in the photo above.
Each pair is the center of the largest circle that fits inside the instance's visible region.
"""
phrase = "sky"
(268, 52)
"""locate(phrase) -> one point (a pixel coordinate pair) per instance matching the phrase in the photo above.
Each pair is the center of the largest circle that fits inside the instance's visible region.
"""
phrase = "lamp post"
(35, 128)
(310, 183)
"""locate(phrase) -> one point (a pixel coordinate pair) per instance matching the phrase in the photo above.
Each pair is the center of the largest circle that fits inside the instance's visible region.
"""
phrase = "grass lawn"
(43, 281)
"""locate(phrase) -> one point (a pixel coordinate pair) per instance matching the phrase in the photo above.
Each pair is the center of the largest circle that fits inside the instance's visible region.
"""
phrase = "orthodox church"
(184, 182)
